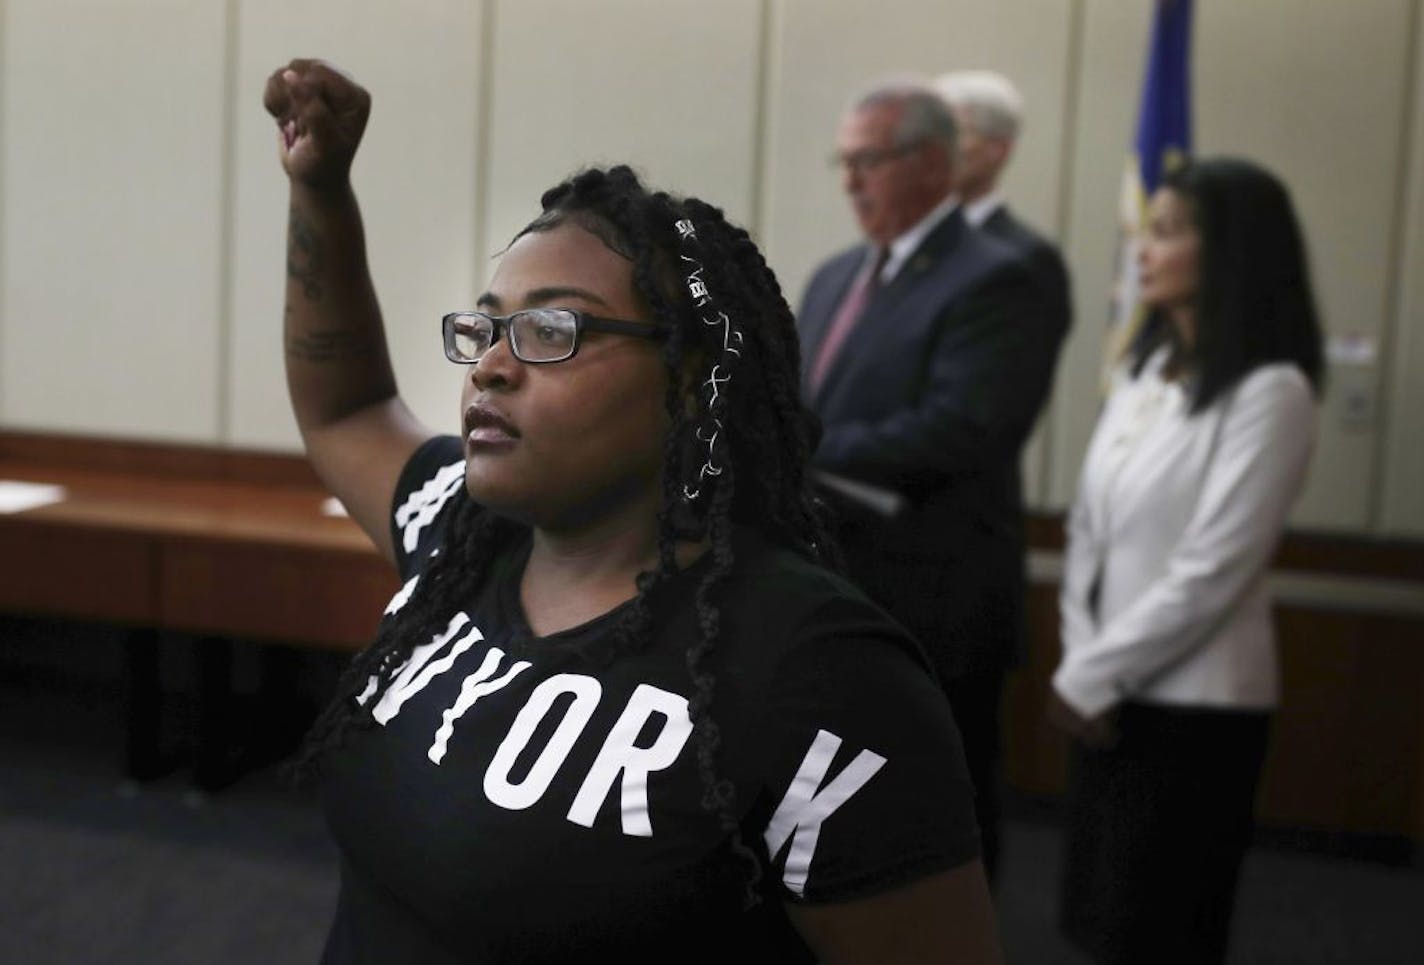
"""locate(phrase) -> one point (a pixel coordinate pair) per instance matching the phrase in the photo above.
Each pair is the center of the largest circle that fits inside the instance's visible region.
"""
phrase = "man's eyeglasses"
(536, 336)
(868, 159)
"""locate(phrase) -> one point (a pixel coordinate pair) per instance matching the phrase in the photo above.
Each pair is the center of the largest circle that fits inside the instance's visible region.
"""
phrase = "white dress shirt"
(1175, 523)
(977, 212)
(904, 246)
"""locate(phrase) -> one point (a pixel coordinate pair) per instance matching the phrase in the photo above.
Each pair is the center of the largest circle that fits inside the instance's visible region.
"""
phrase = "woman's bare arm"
(358, 433)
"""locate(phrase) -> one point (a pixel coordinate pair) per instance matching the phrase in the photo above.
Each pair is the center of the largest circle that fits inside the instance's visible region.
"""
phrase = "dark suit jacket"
(933, 395)
(1044, 260)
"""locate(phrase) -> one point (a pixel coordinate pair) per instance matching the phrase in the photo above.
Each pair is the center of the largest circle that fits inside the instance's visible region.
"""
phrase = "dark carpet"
(97, 869)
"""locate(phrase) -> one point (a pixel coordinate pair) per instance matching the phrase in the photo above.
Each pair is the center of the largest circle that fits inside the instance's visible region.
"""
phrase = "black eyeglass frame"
(583, 322)
(868, 159)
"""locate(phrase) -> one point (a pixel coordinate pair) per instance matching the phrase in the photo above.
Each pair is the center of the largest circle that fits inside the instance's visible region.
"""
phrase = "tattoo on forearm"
(306, 255)
(331, 345)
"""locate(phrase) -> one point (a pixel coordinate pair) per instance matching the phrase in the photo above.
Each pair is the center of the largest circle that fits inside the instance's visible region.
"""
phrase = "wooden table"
(207, 543)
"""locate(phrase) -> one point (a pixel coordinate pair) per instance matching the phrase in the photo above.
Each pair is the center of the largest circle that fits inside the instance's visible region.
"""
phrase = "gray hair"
(993, 104)
(926, 116)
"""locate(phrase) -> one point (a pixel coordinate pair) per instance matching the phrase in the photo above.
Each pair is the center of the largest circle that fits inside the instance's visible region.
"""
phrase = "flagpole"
(1163, 141)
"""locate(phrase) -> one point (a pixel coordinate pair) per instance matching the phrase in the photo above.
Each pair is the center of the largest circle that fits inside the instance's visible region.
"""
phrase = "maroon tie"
(852, 306)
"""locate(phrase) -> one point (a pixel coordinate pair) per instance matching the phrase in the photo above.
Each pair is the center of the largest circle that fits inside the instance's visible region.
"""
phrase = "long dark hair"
(1254, 303)
(765, 438)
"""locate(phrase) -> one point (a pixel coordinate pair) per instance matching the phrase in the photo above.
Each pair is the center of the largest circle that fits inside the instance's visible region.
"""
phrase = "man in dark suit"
(928, 352)
(988, 110)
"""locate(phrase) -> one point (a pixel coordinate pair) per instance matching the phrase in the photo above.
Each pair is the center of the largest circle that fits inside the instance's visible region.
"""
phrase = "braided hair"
(738, 456)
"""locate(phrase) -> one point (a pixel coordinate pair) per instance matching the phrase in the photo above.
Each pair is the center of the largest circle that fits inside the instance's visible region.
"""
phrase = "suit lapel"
(822, 300)
(999, 222)
(861, 345)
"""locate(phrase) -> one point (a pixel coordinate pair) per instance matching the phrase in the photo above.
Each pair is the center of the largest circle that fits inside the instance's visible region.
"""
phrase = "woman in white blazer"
(1169, 670)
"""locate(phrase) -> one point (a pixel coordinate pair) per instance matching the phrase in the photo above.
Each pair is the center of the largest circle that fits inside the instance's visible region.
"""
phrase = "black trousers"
(1157, 827)
(976, 698)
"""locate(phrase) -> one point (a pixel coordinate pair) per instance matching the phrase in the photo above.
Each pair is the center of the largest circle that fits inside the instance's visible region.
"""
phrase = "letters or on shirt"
(517, 802)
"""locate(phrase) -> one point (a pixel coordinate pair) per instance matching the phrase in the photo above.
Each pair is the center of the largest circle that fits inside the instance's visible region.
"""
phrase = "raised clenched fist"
(321, 114)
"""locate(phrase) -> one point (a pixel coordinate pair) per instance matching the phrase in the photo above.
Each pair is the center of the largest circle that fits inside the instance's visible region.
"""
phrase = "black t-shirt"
(517, 802)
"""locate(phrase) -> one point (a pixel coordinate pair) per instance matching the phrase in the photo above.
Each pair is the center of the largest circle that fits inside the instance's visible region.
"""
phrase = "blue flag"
(1164, 138)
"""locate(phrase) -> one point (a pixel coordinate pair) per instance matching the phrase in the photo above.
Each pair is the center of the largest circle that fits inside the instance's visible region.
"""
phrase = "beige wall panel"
(1403, 496)
(1281, 81)
(1034, 464)
(415, 175)
(1113, 54)
(823, 52)
(111, 160)
(669, 87)
(1314, 90)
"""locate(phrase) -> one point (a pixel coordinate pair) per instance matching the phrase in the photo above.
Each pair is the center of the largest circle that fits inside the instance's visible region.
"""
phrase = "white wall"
(111, 152)
(1111, 59)
(142, 208)
(416, 175)
(1272, 84)
(569, 90)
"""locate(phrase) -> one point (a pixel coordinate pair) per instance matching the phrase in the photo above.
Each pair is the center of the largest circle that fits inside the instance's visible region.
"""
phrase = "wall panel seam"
(484, 101)
(761, 92)
(1390, 381)
(227, 226)
(1063, 222)
(1073, 66)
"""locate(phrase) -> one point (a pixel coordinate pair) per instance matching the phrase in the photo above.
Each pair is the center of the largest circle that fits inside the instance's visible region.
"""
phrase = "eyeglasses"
(868, 159)
(536, 336)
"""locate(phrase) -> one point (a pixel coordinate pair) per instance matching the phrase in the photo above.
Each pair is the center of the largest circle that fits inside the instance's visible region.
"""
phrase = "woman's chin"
(500, 498)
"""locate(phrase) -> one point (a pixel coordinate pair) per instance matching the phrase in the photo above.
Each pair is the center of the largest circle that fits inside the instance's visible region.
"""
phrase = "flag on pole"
(1164, 138)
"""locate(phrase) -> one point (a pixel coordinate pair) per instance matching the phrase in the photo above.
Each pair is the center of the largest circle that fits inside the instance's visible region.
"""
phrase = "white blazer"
(1173, 528)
